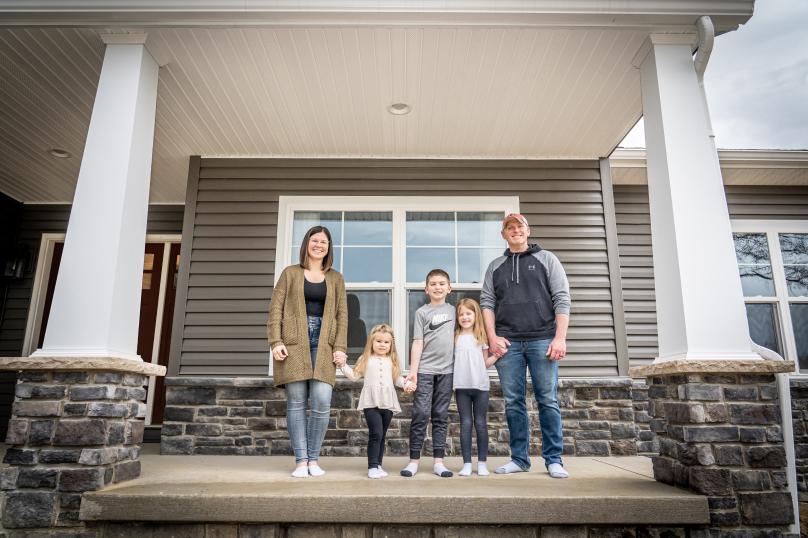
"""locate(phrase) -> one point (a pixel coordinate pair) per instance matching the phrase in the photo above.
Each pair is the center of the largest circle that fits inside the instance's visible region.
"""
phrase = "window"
(773, 265)
(385, 246)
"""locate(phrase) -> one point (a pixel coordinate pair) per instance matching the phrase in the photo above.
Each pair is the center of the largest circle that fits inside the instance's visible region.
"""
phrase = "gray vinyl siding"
(637, 260)
(35, 220)
(234, 236)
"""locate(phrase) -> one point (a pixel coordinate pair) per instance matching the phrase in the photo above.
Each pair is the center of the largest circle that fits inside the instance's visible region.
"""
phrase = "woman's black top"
(315, 297)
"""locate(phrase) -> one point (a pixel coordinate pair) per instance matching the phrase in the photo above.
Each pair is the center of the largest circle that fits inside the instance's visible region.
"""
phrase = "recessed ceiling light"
(59, 153)
(399, 108)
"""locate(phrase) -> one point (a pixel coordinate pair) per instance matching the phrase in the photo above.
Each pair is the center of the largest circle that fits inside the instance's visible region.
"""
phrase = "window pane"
(304, 220)
(794, 248)
(420, 261)
(795, 257)
(418, 298)
(368, 228)
(799, 320)
(756, 280)
(763, 325)
(336, 265)
(428, 229)
(479, 229)
(368, 264)
(752, 248)
(797, 280)
(472, 263)
(366, 309)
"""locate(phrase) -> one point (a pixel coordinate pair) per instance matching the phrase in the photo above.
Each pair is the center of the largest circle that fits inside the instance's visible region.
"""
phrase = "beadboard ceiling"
(322, 92)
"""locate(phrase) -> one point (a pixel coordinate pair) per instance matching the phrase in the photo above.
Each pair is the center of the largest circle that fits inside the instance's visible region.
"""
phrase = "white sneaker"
(557, 471)
(381, 471)
(374, 473)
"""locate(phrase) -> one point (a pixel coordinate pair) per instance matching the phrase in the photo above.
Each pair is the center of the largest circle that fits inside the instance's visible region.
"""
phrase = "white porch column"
(699, 302)
(96, 302)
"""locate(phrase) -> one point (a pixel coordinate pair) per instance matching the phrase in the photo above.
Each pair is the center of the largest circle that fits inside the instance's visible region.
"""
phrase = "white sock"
(508, 468)
(410, 469)
(314, 470)
(482, 468)
(381, 471)
(300, 472)
(374, 473)
(557, 471)
(466, 470)
(441, 470)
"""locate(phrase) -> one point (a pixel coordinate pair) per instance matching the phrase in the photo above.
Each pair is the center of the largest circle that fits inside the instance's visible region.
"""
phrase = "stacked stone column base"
(720, 435)
(72, 431)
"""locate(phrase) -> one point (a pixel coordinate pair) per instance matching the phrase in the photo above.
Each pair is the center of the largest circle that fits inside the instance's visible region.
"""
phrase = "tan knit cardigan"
(288, 325)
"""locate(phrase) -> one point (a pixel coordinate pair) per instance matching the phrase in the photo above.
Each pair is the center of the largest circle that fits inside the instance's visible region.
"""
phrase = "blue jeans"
(307, 435)
(512, 368)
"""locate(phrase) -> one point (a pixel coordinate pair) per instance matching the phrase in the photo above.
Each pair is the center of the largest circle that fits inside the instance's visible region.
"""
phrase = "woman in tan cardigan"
(308, 333)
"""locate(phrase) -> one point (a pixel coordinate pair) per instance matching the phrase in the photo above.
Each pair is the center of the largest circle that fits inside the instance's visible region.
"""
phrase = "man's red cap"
(516, 216)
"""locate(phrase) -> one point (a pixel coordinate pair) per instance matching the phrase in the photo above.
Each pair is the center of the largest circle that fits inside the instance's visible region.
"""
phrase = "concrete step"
(253, 489)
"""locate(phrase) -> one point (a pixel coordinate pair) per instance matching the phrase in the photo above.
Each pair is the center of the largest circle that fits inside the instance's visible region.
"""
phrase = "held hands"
(279, 352)
(497, 345)
(410, 383)
(557, 349)
(340, 358)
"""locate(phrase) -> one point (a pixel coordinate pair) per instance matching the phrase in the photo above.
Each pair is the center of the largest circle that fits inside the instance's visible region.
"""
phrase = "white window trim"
(39, 292)
(772, 228)
(399, 206)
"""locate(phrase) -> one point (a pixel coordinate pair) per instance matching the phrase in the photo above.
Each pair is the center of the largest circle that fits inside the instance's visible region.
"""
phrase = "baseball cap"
(516, 216)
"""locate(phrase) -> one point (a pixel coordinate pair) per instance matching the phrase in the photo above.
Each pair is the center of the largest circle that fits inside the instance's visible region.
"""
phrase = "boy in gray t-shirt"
(431, 368)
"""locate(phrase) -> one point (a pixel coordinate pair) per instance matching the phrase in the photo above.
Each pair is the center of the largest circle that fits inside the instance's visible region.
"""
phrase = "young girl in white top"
(378, 364)
(471, 382)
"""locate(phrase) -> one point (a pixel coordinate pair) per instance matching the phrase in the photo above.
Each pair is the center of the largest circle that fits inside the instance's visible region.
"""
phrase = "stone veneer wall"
(799, 413)
(600, 417)
(298, 530)
(72, 432)
(720, 436)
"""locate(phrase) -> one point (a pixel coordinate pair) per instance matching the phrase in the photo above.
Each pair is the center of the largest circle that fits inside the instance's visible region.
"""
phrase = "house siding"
(232, 262)
(637, 259)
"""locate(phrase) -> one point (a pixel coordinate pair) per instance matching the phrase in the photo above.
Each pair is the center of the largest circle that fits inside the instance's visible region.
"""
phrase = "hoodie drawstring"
(515, 266)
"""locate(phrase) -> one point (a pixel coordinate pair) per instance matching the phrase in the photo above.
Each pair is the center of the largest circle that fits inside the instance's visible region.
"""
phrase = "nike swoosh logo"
(432, 326)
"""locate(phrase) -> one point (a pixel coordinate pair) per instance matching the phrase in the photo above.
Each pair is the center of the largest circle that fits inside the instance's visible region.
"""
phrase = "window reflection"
(420, 261)
(431, 229)
(305, 220)
(763, 325)
(754, 264)
(794, 248)
(366, 309)
(368, 228)
(799, 320)
(367, 264)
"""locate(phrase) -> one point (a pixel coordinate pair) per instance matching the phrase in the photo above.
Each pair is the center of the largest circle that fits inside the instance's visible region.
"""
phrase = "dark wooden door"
(58, 248)
(159, 405)
(149, 297)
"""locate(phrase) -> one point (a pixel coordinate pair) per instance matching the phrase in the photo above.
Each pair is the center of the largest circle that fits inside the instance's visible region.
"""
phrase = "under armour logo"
(531, 267)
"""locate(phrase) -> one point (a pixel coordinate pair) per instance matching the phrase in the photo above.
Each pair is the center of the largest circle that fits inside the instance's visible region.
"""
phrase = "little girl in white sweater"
(378, 364)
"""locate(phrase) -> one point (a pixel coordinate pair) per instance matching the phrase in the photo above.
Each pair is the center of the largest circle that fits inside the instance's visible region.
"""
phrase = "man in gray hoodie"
(526, 304)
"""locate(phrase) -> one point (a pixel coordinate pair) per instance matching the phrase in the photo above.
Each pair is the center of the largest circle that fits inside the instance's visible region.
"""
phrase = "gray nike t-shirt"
(435, 325)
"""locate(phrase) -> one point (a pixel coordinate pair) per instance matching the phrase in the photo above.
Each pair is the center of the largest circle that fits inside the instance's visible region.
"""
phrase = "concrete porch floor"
(251, 489)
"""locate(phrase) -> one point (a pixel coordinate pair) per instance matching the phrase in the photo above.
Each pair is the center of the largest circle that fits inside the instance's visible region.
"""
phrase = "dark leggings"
(378, 421)
(468, 399)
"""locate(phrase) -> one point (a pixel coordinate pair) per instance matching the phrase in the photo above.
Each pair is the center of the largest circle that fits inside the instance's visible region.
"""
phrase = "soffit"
(738, 167)
(322, 92)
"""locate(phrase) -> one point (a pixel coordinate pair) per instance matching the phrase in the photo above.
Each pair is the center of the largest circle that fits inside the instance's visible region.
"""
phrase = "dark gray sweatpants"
(430, 399)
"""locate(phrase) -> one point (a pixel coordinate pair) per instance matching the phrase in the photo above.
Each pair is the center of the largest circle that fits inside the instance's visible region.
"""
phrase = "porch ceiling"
(322, 92)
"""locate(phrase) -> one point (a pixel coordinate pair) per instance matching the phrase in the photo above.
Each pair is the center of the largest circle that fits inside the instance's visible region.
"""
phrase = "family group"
(519, 327)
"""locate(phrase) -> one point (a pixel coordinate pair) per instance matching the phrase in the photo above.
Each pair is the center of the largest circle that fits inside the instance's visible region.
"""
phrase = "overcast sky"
(757, 81)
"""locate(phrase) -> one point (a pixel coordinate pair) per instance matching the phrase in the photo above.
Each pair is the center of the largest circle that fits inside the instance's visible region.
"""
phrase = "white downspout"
(706, 40)
(787, 425)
